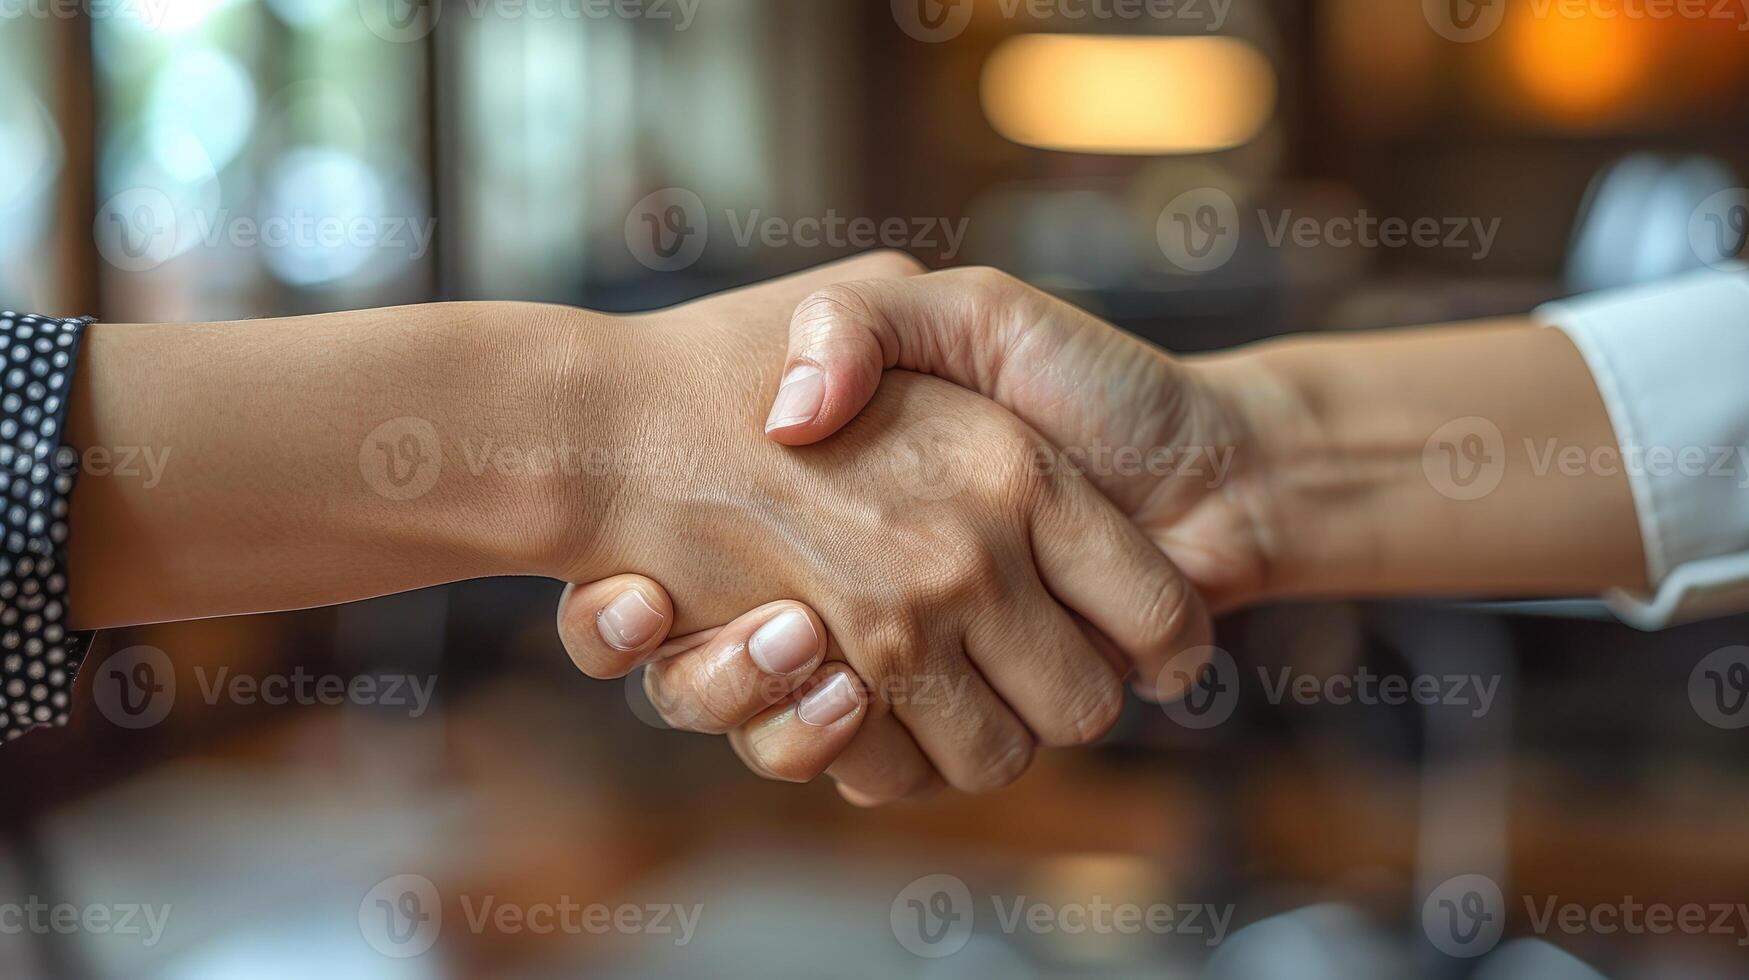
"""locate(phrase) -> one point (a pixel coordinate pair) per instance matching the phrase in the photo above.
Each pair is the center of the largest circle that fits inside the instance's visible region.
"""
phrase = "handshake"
(956, 562)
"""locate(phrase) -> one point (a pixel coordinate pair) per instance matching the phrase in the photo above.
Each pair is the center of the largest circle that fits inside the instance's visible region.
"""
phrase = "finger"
(741, 669)
(965, 730)
(843, 336)
(884, 765)
(1037, 658)
(611, 626)
(797, 739)
(1096, 562)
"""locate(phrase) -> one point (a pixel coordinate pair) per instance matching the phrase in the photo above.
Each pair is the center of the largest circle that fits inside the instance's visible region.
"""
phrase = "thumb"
(842, 337)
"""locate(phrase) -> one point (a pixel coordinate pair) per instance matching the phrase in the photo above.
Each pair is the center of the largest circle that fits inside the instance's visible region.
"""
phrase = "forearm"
(285, 463)
(1459, 461)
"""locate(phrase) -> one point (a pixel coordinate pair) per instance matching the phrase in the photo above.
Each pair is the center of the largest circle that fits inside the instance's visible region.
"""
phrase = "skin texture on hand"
(943, 562)
(1148, 431)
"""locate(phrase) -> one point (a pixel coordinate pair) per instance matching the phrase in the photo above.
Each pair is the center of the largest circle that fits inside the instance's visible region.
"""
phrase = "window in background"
(565, 127)
(32, 165)
(258, 157)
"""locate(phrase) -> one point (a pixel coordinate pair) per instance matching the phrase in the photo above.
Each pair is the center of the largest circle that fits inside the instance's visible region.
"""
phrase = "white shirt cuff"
(1672, 363)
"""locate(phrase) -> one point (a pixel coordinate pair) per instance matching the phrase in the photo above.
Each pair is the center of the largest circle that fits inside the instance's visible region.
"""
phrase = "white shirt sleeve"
(1672, 363)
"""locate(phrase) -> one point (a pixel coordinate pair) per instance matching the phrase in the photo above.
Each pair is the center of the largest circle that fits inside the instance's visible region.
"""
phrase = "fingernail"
(784, 643)
(828, 702)
(628, 621)
(799, 399)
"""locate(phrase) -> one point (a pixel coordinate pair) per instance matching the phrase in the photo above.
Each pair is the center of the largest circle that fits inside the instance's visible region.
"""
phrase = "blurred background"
(1149, 159)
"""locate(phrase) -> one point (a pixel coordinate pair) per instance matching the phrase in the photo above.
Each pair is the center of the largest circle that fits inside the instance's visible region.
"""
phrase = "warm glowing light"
(1578, 66)
(1107, 94)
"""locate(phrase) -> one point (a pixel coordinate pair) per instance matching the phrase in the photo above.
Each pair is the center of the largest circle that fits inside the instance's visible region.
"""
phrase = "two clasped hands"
(965, 514)
(946, 528)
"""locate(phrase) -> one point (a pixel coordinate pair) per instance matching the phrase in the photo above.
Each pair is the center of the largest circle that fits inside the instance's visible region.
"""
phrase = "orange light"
(1105, 94)
(1579, 68)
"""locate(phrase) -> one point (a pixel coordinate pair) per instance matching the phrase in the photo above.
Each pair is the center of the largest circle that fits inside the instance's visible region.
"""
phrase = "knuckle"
(779, 759)
(1098, 715)
(692, 703)
(1014, 475)
(891, 262)
(963, 569)
(1161, 620)
(829, 306)
(891, 640)
(987, 284)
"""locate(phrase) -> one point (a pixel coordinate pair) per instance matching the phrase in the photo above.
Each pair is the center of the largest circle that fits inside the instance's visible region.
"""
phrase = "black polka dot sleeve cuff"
(38, 656)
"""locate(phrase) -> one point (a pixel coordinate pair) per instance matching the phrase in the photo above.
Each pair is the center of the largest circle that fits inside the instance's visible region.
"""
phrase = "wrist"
(1396, 463)
(1300, 487)
(555, 418)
